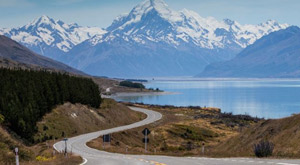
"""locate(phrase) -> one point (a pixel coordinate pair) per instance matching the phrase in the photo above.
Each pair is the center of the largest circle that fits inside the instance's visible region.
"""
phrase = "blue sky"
(102, 12)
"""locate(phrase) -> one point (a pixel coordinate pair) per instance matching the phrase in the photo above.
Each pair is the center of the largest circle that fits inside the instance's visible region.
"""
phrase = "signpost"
(146, 132)
(203, 147)
(106, 139)
(66, 146)
(17, 155)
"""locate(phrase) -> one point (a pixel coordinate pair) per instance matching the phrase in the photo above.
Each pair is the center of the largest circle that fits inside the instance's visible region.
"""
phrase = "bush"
(263, 149)
(1, 119)
(131, 84)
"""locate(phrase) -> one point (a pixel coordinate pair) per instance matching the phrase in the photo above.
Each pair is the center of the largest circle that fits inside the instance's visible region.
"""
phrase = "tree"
(26, 96)
(2, 118)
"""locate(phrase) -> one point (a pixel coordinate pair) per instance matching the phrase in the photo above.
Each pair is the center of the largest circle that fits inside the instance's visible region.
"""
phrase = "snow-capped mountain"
(51, 37)
(273, 56)
(153, 20)
(154, 40)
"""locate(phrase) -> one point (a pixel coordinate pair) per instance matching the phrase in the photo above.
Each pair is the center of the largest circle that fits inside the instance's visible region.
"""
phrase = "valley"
(217, 83)
(152, 40)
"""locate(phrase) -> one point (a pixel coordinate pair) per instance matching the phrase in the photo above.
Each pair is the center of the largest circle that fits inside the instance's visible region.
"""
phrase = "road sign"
(144, 140)
(146, 131)
(106, 138)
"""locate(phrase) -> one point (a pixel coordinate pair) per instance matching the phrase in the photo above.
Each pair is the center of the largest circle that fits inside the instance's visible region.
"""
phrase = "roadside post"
(146, 132)
(203, 147)
(17, 155)
(53, 152)
(66, 147)
(106, 139)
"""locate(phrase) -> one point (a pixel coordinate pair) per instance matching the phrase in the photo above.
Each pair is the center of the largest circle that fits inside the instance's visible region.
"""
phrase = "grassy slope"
(284, 133)
(7, 145)
(79, 119)
(62, 119)
(26, 154)
(180, 132)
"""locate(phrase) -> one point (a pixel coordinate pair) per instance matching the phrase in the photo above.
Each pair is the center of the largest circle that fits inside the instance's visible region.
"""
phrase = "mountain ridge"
(177, 43)
(14, 55)
(155, 40)
(273, 56)
(50, 37)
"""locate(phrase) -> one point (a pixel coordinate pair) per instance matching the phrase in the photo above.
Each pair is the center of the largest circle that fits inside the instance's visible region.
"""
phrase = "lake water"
(262, 98)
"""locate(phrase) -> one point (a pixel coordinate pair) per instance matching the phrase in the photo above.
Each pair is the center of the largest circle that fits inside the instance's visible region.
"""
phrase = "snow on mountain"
(51, 37)
(186, 26)
(155, 40)
(273, 56)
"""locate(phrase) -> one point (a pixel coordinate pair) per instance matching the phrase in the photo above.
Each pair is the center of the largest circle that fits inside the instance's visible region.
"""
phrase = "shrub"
(1, 119)
(263, 149)
(131, 84)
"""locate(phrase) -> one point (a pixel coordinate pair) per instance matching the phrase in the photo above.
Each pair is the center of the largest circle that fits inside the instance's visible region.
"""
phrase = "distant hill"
(276, 55)
(14, 55)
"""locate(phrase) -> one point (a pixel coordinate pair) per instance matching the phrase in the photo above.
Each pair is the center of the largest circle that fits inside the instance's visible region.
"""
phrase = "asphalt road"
(96, 157)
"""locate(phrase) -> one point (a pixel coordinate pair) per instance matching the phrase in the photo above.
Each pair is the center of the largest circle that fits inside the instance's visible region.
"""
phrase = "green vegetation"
(1, 119)
(7, 146)
(26, 96)
(263, 149)
(131, 84)
(192, 133)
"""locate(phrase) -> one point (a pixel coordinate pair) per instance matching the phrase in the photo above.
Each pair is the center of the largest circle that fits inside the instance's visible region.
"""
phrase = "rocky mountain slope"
(275, 55)
(154, 40)
(14, 55)
(50, 37)
(151, 40)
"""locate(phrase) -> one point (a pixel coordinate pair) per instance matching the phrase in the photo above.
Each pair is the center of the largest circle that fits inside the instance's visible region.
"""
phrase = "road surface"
(96, 157)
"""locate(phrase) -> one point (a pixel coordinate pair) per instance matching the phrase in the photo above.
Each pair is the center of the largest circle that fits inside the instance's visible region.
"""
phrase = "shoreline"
(132, 94)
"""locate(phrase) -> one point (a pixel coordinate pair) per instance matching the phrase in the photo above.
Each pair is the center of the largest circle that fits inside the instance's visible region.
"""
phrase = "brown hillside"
(284, 133)
(70, 120)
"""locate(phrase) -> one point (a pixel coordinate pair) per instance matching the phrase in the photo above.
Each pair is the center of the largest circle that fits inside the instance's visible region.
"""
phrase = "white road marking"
(84, 161)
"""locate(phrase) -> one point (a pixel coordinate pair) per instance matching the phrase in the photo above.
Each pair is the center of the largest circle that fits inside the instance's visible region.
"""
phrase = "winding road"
(96, 157)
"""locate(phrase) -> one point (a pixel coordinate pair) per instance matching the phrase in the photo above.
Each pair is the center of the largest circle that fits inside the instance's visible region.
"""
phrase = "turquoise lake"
(261, 98)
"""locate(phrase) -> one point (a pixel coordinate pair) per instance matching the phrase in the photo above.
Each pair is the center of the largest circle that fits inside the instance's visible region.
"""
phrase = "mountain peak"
(159, 6)
(40, 21)
(229, 21)
(148, 5)
(158, 3)
(43, 19)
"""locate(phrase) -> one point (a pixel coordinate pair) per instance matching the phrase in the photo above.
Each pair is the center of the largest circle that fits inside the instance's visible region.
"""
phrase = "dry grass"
(180, 132)
(283, 133)
(72, 120)
(7, 145)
